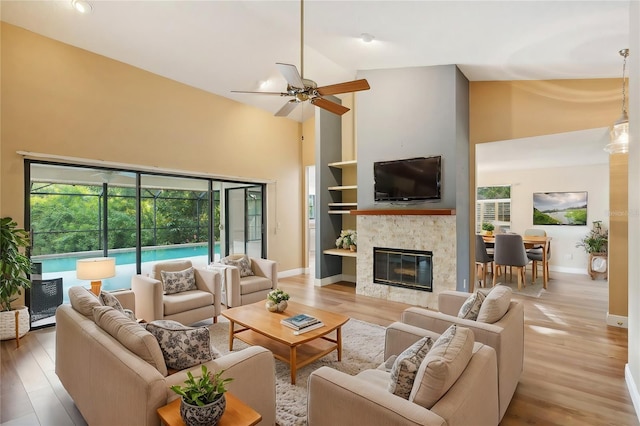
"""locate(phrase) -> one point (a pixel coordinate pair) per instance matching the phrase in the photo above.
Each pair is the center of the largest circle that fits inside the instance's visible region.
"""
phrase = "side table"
(237, 413)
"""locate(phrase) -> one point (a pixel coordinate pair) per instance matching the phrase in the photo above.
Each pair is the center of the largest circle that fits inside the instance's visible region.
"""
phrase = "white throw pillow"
(442, 366)
(243, 264)
(179, 281)
(495, 305)
(405, 367)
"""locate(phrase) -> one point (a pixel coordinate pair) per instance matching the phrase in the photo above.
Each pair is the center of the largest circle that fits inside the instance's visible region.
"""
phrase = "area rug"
(362, 348)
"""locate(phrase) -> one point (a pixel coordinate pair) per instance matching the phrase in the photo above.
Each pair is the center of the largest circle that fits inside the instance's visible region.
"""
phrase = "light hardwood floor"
(573, 369)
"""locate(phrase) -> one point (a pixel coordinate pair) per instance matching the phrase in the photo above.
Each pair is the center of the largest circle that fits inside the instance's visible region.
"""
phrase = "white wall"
(565, 256)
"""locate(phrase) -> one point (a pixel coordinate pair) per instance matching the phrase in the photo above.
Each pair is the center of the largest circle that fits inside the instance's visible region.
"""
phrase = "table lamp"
(96, 269)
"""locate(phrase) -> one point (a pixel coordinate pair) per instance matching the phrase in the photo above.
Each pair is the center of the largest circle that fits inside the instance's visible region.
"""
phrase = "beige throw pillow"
(83, 301)
(405, 367)
(131, 335)
(442, 366)
(243, 264)
(182, 346)
(495, 305)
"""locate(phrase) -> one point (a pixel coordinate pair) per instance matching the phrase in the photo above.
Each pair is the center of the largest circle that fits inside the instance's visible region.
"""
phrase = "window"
(493, 205)
(139, 218)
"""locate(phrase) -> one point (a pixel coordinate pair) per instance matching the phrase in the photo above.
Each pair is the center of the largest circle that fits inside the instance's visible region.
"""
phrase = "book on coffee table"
(299, 321)
(308, 328)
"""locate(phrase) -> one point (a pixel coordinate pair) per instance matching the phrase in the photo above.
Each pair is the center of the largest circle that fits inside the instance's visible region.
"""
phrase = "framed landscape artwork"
(560, 208)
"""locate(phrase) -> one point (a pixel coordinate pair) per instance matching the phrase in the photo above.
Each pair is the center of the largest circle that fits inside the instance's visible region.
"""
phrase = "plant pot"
(282, 306)
(206, 415)
(8, 323)
(352, 247)
(276, 307)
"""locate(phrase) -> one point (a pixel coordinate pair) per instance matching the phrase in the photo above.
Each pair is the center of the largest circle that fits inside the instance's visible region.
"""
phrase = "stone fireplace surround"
(414, 231)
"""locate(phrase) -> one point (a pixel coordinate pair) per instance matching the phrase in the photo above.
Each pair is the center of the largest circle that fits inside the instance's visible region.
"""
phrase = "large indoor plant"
(203, 401)
(15, 267)
(596, 243)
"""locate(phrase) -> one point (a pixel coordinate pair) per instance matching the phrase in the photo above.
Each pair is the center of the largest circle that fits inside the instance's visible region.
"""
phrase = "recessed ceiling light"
(366, 37)
(81, 6)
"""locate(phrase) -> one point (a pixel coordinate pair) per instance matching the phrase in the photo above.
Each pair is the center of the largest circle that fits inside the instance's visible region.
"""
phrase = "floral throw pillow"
(405, 367)
(469, 310)
(179, 281)
(108, 299)
(243, 264)
(182, 347)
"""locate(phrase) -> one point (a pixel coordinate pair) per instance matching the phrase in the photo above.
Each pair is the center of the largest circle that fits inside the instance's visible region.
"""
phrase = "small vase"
(271, 306)
(352, 247)
(206, 415)
(282, 306)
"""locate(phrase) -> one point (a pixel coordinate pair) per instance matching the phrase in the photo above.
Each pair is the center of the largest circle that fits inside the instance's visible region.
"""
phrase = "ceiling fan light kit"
(302, 89)
(619, 134)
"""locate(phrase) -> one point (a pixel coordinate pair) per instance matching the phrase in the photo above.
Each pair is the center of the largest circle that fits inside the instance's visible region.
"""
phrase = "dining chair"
(535, 253)
(484, 260)
(510, 251)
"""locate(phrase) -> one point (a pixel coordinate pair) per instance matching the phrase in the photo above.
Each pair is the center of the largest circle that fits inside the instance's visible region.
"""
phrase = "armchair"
(185, 307)
(243, 290)
(338, 398)
(506, 336)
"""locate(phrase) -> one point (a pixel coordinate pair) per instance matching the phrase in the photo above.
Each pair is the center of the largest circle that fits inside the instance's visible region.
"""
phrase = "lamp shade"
(96, 268)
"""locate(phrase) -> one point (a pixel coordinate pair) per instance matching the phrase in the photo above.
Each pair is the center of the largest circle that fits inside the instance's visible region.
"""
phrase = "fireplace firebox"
(411, 269)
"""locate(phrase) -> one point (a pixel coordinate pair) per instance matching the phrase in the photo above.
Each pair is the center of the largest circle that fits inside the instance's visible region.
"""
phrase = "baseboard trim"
(567, 270)
(291, 273)
(633, 389)
(321, 282)
(617, 321)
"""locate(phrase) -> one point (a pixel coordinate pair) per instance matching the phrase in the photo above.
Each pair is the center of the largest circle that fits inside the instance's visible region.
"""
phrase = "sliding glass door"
(244, 220)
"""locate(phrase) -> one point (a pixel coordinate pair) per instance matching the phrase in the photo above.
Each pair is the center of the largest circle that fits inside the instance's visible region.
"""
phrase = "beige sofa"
(336, 398)
(111, 385)
(506, 336)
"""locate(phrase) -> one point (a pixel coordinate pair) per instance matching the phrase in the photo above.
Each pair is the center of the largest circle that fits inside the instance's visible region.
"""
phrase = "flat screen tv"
(408, 180)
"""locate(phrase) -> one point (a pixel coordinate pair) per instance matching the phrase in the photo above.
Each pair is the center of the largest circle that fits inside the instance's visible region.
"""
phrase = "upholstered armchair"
(248, 279)
(505, 335)
(337, 398)
(200, 300)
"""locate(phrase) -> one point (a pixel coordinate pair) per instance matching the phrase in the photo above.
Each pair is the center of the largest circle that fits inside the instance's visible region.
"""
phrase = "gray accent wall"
(415, 112)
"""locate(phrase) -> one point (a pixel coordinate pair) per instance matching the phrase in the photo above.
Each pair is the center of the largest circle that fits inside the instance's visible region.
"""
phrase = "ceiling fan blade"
(291, 74)
(287, 108)
(261, 93)
(329, 106)
(349, 86)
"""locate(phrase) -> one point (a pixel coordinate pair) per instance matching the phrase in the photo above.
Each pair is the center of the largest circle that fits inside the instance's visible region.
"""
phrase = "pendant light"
(619, 133)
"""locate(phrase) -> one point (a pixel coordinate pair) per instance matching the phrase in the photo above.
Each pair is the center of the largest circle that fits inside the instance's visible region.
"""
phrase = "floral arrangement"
(597, 240)
(347, 238)
(277, 296)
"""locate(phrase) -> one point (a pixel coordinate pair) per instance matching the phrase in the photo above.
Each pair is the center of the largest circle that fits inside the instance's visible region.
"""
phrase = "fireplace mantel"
(404, 212)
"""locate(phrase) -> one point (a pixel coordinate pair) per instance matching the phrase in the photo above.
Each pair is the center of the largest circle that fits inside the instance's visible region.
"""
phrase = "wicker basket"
(8, 323)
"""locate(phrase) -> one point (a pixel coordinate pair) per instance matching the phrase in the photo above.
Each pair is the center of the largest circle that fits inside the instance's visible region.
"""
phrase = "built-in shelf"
(343, 204)
(341, 252)
(404, 212)
(342, 188)
(342, 164)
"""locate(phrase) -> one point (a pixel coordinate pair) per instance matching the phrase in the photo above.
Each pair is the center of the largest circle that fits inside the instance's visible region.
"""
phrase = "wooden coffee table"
(260, 327)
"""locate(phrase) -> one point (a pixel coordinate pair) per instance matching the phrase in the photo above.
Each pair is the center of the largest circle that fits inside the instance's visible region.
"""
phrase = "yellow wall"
(502, 110)
(618, 234)
(58, 99)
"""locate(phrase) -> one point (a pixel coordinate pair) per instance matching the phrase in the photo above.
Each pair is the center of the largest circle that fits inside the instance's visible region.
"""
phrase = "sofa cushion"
(495, 305)
(108, 299)
(405, 367)
(470, 308)
(178, 281)
(83, 300)
(182, 347)
(131, 335)
(243, 263)
(186, 301)
(255, 283)
(442, 366)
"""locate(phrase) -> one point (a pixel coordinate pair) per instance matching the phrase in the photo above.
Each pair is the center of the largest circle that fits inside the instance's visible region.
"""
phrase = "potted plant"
(277, 300)
(348, 239)
(596, 244)
(202, 398)
(487, 228)
(15, 268)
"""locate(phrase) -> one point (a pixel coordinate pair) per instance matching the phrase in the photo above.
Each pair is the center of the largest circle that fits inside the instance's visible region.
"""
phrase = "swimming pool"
(64, 265)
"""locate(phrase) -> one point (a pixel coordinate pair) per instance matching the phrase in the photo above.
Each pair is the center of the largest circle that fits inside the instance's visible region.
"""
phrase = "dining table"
(531, 241)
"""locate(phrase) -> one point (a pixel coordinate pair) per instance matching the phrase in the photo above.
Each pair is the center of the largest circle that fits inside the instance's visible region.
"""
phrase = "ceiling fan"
(302, 89)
